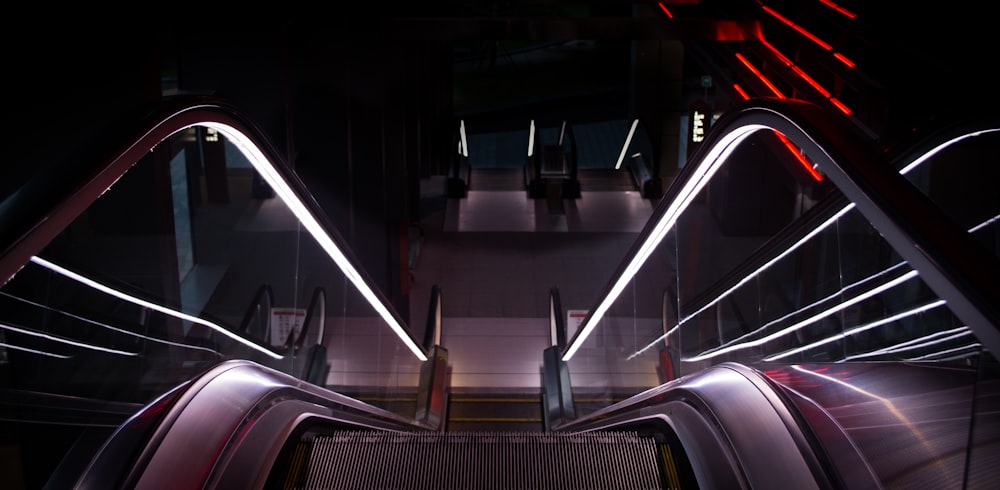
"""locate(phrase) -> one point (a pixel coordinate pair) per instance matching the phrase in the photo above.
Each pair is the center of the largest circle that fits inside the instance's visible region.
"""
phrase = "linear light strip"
(147, 304)
(665, 11)
(109, 327)
(914, 344)
(984, 224)
(843, 290)
(628, 141)
(802, 74)
(282, 189)
(758, 271)
(669, 218)
(777, 320)
(965, 349)
(941, 147)
(856, 330)
(767, 265)
(743, 93)
(839, 9)
(34, 351)
(913, 165)
(808, 321)
(703, 173)
(812, 37)
(463, 144)
(531, 138)
(753, 69)
(61, 340)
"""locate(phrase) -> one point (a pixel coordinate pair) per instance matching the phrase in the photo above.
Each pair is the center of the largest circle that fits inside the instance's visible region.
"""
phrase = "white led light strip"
(692, 186)
(153, 306)
(706, 168)
(281, 188)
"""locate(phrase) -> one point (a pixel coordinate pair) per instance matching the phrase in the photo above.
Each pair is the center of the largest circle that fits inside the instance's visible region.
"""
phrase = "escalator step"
(376, 459)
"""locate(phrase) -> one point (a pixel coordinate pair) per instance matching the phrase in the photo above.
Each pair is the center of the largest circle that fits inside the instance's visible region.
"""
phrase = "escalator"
(476, 460)
(275, 432)
(704, 355)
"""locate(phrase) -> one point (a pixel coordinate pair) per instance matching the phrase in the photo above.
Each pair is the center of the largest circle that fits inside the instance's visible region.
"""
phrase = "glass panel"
(188, 260)
(771, 268)
(961, 179)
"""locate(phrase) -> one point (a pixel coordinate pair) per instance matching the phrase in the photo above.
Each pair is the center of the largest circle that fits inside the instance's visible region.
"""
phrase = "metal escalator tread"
(473, 460)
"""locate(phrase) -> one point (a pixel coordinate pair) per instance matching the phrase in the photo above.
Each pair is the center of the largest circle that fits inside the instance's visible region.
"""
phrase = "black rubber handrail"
(557, 320)
(264, 293)
(318, 299)
(432, 331)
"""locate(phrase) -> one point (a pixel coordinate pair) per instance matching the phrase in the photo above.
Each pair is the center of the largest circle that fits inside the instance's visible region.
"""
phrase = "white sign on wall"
(574, 319)
(284, 321)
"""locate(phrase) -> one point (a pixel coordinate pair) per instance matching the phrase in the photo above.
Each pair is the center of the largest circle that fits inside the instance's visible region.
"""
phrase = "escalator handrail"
(901, 155)
(318, 299)
(145, 448)
(557, 321)
(32, 217)
(952, 263)
(739, 412)
(432, 330)
(263, 292)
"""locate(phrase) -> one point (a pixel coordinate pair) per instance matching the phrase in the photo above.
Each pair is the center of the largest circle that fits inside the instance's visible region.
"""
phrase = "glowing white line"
(707, 166)
(463, 143)
(856, 330)
(703, 173)
(768, 264)
(531, 138)
(281, 188)
(628, 141)
(913, 344)
(820, 302)
(111, 327)
(967, 350)
(937, 149)
(772, 322)
(66, 341)
(984, 224)
(153, 306)
(33, 351)
(803, 323)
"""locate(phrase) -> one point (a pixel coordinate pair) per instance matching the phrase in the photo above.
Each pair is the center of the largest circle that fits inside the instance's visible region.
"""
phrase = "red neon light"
(784, 59)
(740, 91)
(838, 8)
(800, 157)
(664, 9)
(810, 81)
(760, 76)
(843, 59)
(797, 28)
(840, 105)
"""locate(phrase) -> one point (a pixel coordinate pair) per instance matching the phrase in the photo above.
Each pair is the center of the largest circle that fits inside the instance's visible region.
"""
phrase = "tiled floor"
(497, 254)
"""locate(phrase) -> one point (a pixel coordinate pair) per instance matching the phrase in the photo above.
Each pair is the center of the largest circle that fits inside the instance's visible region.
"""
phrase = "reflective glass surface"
(189, 259)
(770, 266)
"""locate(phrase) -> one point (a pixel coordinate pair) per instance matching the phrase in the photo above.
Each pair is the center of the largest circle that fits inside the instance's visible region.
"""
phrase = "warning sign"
(285, 321)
